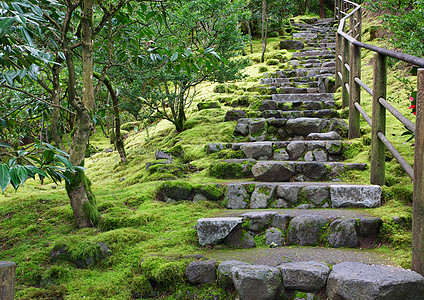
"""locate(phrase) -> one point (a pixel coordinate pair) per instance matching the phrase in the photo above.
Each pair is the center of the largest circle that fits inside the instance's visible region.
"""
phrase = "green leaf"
(4, 176)
(14, 179)
(48, 156)
(22, 174)
(3, 144)
(174, 56)
(27, 37)
(64, 161)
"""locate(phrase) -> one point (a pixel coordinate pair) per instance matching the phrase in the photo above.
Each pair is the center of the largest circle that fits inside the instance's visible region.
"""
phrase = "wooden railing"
(348, 76)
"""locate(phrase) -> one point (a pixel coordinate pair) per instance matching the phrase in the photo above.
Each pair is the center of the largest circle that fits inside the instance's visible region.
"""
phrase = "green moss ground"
(136, 227)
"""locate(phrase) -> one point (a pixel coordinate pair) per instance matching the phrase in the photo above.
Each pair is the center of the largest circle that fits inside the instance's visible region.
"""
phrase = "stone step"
(289, 105)
(345, 280)
(293, 114)
(330, 150)
(281, 83)
(322, 97)
(301, 195)
(261, 129)
(297, 90)
(279, 228)
(278, 255)
(282, 171)
(314, 53)
(310, 72)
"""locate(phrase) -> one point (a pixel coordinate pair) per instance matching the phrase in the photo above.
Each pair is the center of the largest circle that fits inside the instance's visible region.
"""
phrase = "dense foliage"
(405, 19)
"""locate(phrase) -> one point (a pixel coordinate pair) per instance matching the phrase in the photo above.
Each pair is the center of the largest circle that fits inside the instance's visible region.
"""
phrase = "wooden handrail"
(348, 76)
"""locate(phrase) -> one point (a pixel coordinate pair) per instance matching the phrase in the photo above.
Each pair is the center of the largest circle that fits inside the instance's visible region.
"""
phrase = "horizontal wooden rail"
(363, 85)
(404, 120)
(363, 113)
(408, 169)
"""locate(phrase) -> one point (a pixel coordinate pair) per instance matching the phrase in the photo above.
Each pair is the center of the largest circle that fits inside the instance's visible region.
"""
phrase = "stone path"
(294, 152)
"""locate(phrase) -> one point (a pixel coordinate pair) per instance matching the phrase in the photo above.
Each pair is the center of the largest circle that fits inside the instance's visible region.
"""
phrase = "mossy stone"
(176, 190)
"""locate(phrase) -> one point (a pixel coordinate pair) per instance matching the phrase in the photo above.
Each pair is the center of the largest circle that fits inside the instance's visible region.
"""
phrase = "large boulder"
(307, 230)
(352, 281)
(304, 276)
(256, 282)
(214, 230)
(199, 272)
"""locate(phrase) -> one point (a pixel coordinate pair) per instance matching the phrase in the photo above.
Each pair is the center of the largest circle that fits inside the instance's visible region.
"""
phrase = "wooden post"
(355, 92)
(345, 73)
(7, 280)
(378, 120)
(418, 202)
(359, 28)
(339, 41)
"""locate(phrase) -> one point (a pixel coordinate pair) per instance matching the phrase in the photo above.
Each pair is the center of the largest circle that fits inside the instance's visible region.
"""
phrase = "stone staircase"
(292, 161)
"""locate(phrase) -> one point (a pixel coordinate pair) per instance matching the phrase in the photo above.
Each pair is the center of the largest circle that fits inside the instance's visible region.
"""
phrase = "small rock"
(240, 239)
(236, 196)
(342, 233)
(262, 196)
(256, 282)
(274, 236)
(306, 276)
(306, 230)
(199, 272)
(257, 221)
(281, 221)
(214, 230)
(289, 193)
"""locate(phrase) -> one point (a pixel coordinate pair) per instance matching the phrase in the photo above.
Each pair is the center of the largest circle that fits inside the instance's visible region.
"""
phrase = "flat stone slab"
(355, 196)
(214, 230)
(352, 281)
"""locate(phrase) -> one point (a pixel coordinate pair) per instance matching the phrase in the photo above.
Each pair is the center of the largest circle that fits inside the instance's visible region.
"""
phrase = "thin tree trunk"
(119, 143)
(249, 31)
(56, 110)
(321, 8)
(264, 32)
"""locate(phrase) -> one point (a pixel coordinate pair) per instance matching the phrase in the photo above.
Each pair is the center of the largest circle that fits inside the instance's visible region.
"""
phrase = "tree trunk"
(249, 30)
(264, 32)
(56, 110)
(118, 141)
(321, 9)
(82, 199)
